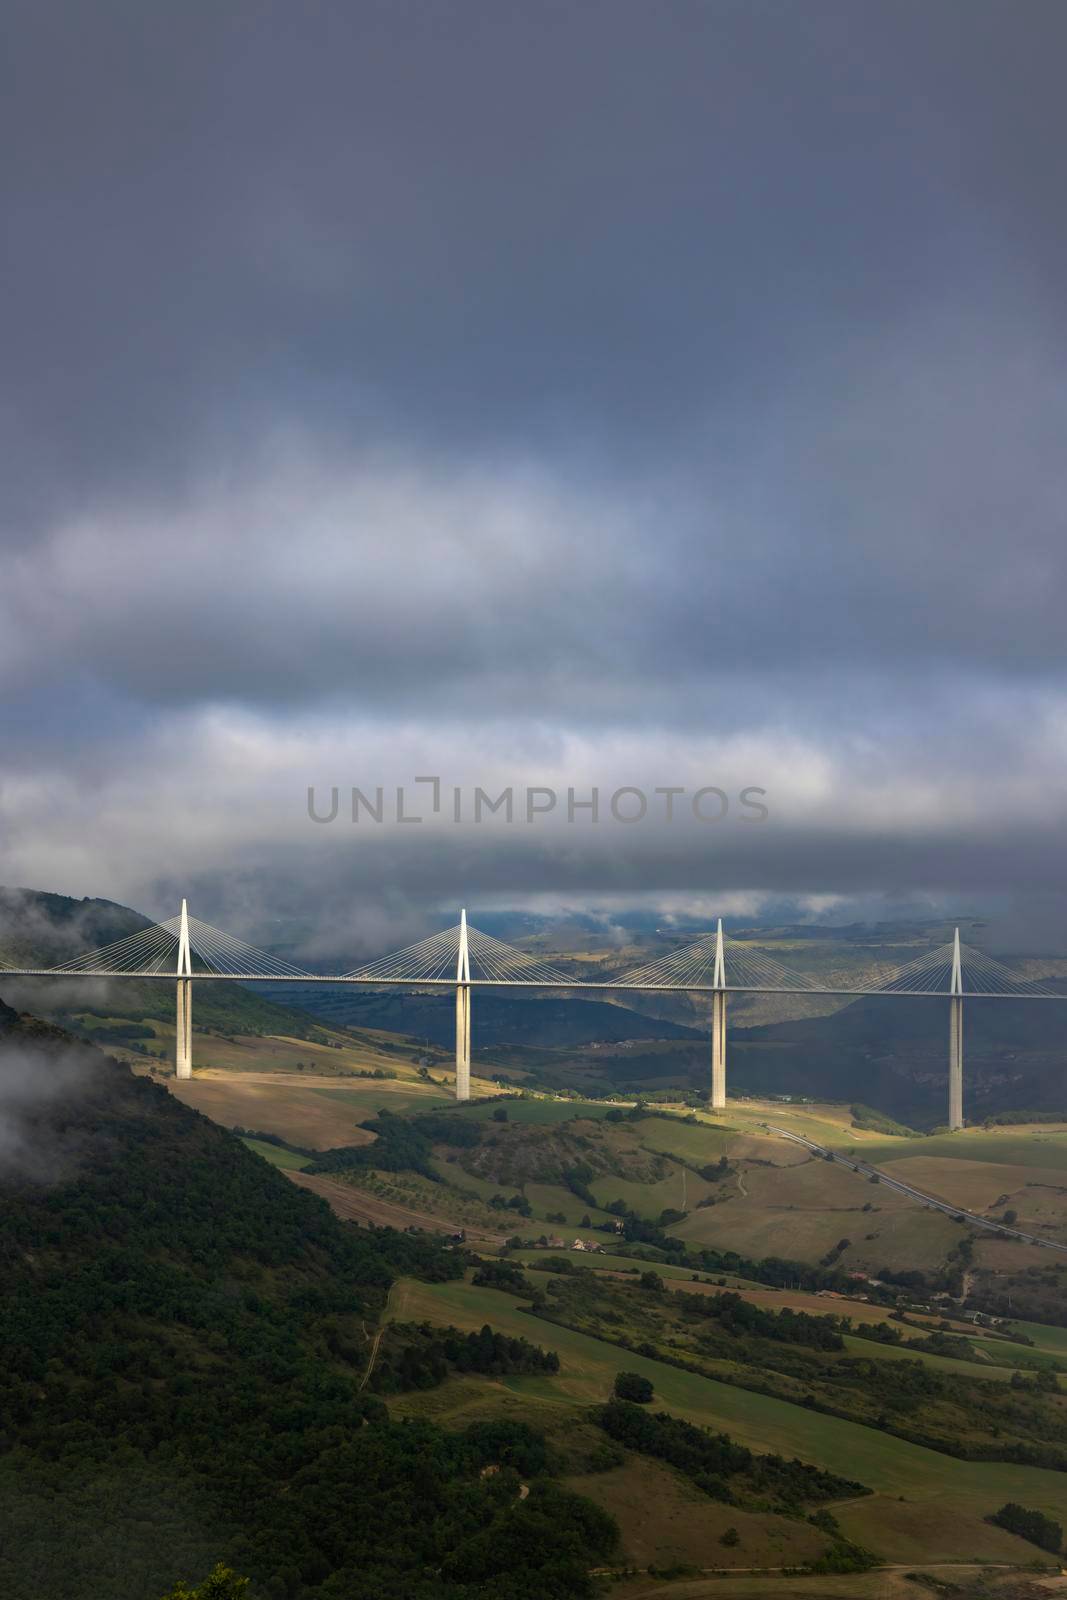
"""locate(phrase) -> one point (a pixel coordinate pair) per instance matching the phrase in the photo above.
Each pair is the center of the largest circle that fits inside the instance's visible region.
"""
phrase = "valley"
(827, 1287)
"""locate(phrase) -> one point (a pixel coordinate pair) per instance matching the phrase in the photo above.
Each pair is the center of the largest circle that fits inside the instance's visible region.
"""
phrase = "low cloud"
(39, 1142)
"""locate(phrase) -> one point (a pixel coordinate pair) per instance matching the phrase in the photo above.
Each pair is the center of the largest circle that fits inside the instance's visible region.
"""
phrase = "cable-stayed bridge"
(185, 950)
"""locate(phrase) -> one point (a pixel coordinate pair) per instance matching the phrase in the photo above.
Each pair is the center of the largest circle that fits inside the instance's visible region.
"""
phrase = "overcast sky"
(535, 394)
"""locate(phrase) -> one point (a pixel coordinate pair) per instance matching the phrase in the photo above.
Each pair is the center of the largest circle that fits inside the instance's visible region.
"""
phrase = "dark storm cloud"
(586, 220)
(582, 378)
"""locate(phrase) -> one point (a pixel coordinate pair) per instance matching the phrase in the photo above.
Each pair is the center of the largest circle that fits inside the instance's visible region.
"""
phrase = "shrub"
(1031, 1525)
(631, 1386)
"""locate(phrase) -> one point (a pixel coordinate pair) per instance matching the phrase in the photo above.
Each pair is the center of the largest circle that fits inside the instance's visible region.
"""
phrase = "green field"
(927, 1505)
(1041, 1147)
(1054, 1340)
(681, 1190)
(288, 1160)
(873, 1351)
(697, 1143)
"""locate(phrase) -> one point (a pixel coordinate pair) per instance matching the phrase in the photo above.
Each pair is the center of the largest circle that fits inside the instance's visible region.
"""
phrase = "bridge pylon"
(718, 1028)
(955, 1041)
(463, 1014)
(183, 1040)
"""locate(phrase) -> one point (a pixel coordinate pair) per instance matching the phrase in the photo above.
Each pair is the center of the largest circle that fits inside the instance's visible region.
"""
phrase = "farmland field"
(1037, 1146)
(315, 1113)
(926, 1506)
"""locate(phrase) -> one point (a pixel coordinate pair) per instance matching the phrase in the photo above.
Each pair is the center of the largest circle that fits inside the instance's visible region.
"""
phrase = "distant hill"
(545, 1021)
(39, 929)
(896, 1052)
(185, 1335)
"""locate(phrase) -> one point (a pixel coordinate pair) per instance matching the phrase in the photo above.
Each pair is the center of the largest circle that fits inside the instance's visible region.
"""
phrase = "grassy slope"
(803, 1207)
(667, 1521)
(276, 1156)
(926, 1504)
(121, 1517)
(777, 1201)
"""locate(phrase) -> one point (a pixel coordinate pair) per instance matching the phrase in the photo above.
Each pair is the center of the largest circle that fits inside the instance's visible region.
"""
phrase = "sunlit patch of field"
(824, 1123)
(338, 1052)
(314, 1113)
(806, 1211)
(1037, 1194)
(927, 1505)
(1037, 1145)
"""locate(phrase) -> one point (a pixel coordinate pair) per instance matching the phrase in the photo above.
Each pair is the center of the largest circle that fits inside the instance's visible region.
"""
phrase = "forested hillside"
(185, 1335)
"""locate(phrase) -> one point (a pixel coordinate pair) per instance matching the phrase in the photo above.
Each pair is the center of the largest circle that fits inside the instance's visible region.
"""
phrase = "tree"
(1032, 1525)
(221, 1584)
(631, 1386)
(730, 1537)
(500, 1114)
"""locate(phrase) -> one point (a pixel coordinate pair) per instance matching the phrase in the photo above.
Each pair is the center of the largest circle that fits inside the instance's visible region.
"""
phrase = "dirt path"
(356, 1205)
(373, 1358)
(741, 1183)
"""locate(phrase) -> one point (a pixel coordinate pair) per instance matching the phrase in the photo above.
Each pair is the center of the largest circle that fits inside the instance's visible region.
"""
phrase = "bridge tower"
(718, 1028)
(463, 1014)
(183, 1042)
(955, 1041)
